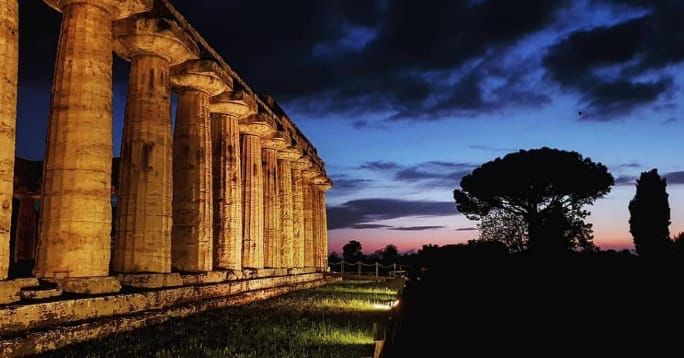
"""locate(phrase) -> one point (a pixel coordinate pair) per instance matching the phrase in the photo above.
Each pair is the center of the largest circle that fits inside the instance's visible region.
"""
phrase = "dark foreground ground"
(579, 306)
(330, 321)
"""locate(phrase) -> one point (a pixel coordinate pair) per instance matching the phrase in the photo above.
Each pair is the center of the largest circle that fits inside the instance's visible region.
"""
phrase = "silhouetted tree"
(504, 227)
(334, 257)
(678, 245)
(351, 251)
(390, 254)
(539, 185)
(649, 220)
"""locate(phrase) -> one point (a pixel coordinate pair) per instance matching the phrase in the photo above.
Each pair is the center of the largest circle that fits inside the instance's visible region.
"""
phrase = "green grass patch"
(330, 321)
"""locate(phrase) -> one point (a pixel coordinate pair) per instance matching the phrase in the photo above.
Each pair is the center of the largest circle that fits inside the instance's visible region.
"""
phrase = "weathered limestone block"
(76, 208)
(272, 207)
(298, 212)
(252, 129)
(286, 202)
(89, 285)
(9, 60)
(151, 280)
(192, 236)
(205, 278)
(144, 215)
(9, 292)
(25, 239)
(227, 108)
(40, 293)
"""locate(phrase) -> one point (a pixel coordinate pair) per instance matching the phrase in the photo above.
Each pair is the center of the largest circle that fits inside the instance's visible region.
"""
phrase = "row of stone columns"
(228, 189)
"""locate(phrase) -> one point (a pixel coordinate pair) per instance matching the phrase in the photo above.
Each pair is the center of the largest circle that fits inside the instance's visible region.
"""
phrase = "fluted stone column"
(323, 224)
(272, 206)
(195, 81)
(315, 218)
(25, 239)
(285, 158)
(298, 211)
(227, 109)
(76, 194)
(253, 128)
(9, 59)
(144, 215)
(309, 208)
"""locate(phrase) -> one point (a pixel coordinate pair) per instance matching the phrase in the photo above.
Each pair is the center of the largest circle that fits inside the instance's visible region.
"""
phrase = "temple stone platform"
(36, 326)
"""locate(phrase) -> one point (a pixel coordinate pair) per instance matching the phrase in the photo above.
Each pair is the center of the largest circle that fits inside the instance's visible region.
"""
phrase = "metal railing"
(376, 268)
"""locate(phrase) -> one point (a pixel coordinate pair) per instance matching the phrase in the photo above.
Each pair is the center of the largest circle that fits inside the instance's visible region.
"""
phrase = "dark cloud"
(417, 228)
(670, 120)
(380, 165)
(611, 67)
(368, 211)
(363, 56)
(675, 177)
(633, 165)
(625, 180)
(345, 185)
(435, 173)
(370, 226)
(466, 229)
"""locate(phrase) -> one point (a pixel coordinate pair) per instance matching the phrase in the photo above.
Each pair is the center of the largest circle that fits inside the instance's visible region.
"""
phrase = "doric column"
(9, 59)
(144, 215)
(25, 237)
(227, 108)
(323, 224)
(272, 206)
(285, 158)
(253, 128)
(76, 194)
(298, 188)
(191, 245)
(309, 208)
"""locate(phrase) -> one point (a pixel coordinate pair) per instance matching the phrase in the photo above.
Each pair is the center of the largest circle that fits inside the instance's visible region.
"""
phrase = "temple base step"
(150, 280)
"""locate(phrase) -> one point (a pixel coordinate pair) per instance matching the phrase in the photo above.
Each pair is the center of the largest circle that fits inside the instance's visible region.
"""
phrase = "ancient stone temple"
(224, 207)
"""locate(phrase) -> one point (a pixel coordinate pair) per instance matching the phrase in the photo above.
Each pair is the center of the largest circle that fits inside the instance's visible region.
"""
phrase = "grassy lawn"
(330, 321)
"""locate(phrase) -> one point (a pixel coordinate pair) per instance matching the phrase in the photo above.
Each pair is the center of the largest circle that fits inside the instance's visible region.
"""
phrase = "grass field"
(330, 321)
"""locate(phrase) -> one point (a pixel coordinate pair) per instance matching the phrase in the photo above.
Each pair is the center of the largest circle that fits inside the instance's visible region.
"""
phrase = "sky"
(404, 98)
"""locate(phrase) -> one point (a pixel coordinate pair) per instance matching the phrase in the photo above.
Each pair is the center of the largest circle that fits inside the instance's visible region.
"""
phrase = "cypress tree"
(650, 216)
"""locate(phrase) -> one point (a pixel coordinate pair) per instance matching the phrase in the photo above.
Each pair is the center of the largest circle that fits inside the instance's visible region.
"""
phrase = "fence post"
(359, 264)
(376, 269)
(341, 266)
(394, 269)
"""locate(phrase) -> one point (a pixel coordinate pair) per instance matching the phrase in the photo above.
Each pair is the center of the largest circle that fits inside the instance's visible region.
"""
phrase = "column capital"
(302, 163)
(260, 124)
(120, 9)
(277, 142)
(325, 186)
(141, 36)
(290, 153)
(201, 75)
(234, 103)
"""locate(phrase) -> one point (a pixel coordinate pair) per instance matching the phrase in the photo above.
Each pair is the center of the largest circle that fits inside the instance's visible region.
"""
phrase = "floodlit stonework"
(227, 207)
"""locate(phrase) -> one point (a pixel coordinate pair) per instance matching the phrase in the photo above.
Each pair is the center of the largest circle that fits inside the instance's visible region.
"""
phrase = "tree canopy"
(542, 186)
(351, 251)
